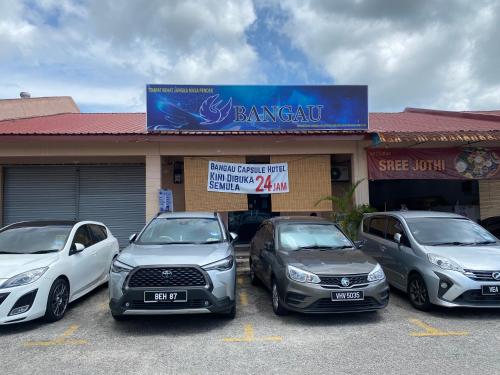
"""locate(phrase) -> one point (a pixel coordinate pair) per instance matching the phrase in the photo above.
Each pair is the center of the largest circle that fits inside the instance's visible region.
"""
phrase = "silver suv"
(437, 258)
(181, 263)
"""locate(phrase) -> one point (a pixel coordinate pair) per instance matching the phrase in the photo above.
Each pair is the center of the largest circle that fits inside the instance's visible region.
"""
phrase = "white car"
(45, 265)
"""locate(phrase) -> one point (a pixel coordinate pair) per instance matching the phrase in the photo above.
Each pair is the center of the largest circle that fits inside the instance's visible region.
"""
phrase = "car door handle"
(383, 248)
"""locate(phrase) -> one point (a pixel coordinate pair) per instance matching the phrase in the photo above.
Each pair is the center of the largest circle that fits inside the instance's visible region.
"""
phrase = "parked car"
(44, 265)
(437, 258)
(310, 266)
(181, 263)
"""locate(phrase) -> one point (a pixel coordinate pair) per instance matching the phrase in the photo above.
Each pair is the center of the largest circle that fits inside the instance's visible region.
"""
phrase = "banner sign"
(166, 201)
(256, 108)
(247, 178)
(427, 163)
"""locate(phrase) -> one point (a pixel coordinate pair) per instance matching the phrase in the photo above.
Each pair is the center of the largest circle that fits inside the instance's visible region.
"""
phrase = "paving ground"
(398, 340)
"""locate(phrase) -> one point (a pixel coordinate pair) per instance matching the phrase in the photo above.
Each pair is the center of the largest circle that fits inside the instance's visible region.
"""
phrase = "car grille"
(335, 281)
(481, 275)
(190, 304)
(154, 277)
(327, 305)
(476, 296)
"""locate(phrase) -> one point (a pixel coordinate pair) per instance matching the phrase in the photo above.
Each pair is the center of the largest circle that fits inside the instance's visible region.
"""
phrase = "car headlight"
(302, 276)
(24, 278)
(221, 265)
(376, 274)
(444, 263)
(119, 267)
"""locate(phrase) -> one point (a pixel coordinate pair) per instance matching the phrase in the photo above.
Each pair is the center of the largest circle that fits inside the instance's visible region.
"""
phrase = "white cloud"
(425, 53)
(114, 48)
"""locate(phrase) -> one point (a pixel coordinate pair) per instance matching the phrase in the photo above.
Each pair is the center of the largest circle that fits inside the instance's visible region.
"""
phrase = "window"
(99, 232)
(187, 230)
(296, 236)
(377, 226)
(32, 238)
(83, 236)
(394, 226)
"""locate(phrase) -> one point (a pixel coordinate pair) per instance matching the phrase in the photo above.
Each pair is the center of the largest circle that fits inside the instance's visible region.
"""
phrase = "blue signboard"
(256, 108)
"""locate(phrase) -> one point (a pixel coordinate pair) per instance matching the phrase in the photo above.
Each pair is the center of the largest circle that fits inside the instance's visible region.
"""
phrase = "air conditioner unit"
(340, 173)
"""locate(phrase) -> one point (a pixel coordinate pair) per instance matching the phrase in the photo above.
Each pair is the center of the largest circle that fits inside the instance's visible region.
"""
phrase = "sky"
(425, 53)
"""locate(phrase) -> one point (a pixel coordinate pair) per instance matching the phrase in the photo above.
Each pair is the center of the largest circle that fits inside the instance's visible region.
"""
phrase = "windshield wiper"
(209, 242)
(315, 247)
(177, 243)
(483, 242)
(453, 243)
(7, 252)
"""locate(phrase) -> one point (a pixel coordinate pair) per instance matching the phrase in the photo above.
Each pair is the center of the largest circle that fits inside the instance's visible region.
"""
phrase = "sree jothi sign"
(453, 163)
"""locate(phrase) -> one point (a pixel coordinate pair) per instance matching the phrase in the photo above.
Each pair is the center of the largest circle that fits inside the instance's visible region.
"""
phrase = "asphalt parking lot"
(398, 340)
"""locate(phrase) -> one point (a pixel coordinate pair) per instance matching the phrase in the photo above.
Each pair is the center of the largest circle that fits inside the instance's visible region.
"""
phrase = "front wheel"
(418, 293)
(57, 303)
(278, 307)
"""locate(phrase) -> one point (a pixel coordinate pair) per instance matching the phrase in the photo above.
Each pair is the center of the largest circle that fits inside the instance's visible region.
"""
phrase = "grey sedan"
(310, 266)
(437, 258)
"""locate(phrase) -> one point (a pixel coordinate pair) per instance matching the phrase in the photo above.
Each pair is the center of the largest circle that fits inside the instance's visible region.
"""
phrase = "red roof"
(77, 124)
(412, 124)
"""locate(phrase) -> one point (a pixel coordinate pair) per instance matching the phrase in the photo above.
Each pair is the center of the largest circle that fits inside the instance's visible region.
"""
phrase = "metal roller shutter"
(114, 195)
(39, 193)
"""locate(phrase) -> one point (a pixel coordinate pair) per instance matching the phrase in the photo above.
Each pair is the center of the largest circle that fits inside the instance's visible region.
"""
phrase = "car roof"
(298, 219)
(43, 223)
(418, 214)
(197, 214)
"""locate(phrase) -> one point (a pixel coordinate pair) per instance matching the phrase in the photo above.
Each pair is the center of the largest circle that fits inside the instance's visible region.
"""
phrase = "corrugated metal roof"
(411, 125)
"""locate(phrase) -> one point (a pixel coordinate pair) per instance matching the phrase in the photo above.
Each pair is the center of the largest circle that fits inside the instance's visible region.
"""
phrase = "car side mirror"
(359, 244)
(398, 238)
(132, 238)
(78, 247)
(269, 246)
(233, 236)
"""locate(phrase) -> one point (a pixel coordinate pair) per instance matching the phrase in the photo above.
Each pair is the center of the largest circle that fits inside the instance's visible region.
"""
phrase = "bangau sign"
(256, 108)
(247, 178)
(454, 163)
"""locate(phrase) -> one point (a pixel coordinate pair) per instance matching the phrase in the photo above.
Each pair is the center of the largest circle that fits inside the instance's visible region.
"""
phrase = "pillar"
(153, 185)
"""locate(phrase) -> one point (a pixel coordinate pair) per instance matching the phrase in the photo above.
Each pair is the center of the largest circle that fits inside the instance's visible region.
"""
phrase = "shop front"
(463, 180)
(294, 145)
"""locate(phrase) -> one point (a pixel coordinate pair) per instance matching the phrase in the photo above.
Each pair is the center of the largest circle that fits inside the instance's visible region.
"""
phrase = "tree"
(345, 213)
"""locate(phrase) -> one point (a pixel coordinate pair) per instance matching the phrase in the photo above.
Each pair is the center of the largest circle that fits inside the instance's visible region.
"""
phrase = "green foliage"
(347, 215)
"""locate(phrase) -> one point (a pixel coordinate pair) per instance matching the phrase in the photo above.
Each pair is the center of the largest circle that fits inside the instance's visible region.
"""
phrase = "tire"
(418, 293)
(253, 277)
(278, 307)
(57, 302)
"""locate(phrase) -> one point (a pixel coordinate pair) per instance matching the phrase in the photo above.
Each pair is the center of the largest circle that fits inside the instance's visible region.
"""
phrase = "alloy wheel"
(60, 300)
(276, 297)
(418, 291)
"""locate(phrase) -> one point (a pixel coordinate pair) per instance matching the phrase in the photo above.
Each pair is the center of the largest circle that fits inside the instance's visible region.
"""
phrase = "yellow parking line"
(244, 298)
(103, 306)
(63, 339)
(249, 336)
(240, 281)
(430, 331)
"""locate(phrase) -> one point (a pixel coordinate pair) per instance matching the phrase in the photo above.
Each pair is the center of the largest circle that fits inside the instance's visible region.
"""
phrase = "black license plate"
(170, 296)
(348, 295)
(491, 290)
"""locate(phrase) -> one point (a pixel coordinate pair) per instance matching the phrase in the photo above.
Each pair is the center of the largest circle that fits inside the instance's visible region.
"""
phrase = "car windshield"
(448, 232)
(301, 236)
(182, 231)
(33, 239)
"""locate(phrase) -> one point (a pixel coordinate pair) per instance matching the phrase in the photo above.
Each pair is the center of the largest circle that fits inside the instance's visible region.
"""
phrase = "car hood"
(478, 258)
(147, 255)
(14, 264)
(330, 262)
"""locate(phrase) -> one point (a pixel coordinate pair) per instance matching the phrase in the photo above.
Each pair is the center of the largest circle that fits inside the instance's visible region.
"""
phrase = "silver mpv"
(437, 258)
(181, 263)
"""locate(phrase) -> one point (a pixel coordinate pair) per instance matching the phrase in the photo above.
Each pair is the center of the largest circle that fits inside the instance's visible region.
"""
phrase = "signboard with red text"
(429, 163)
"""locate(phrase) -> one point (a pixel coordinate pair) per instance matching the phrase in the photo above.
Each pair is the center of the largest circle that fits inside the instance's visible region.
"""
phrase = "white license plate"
(170, 296)
(348, 295)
